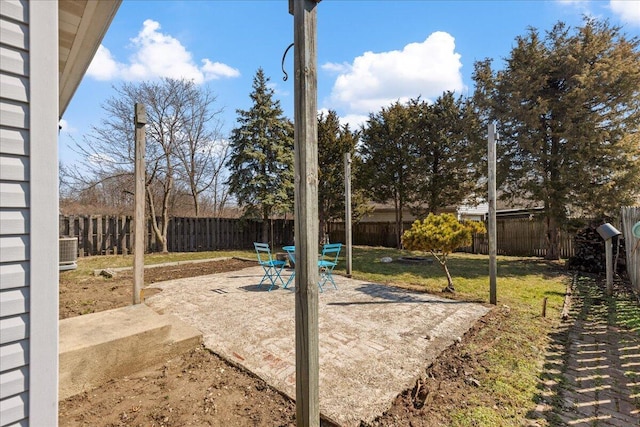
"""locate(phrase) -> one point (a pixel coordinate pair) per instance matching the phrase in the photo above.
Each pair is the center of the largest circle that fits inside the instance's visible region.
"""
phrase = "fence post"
(493, 266)
(140, 120)
(306, 211)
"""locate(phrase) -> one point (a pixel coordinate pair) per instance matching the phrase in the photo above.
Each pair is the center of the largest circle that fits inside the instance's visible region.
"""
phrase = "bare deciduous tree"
(181, 133)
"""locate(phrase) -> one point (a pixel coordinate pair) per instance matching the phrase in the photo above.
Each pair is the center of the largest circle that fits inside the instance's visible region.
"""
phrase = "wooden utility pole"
(608, 232)
(608, 250)
(140, 120)
(306, 211)
(347, 209)
(493, 265)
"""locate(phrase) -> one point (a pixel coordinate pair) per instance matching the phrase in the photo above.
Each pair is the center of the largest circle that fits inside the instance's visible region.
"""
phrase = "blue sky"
(370, 53)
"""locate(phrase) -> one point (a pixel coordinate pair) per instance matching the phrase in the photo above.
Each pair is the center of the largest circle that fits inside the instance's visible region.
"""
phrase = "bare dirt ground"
(200, 389)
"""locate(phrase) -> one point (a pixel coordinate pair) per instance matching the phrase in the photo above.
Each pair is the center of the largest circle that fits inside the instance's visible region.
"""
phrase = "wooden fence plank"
(630, 216)
(107, 234)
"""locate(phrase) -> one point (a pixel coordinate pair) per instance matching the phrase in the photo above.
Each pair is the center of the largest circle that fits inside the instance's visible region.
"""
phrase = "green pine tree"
(448, 146)
(261, 160)
(567, 107)
(334, 141)
(388, 163)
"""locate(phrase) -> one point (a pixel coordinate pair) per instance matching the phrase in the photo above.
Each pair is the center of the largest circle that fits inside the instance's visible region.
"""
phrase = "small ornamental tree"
(440, 235)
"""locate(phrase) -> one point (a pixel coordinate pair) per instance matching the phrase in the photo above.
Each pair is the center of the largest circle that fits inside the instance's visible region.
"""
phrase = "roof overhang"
(81, 26)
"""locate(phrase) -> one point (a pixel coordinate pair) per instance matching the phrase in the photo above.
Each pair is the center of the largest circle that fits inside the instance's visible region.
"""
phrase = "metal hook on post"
(286, 76)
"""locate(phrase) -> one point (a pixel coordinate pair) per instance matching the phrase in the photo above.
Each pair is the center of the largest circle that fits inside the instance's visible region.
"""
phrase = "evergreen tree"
(568, 113)
(388, 163)
(448, 146)
(261, 160)
(334, 141)
(440, 235)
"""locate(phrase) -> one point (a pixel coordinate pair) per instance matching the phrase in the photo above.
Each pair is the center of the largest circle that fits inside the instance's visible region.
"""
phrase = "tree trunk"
(152, 213)
(553, 238)
(165, 215)
(398, 208)
(265, 226)
(449, 287)
(196, 205)
(442, 260)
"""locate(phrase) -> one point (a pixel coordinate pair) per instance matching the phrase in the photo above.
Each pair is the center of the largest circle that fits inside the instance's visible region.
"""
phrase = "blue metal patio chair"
(291, 252)
(327, 262)
(271, 267)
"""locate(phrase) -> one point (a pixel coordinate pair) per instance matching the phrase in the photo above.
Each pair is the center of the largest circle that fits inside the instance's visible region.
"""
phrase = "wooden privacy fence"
(367, 233)
(516, 236)
(523, 237)
(104, 235)
(209, 234)
(630, 216)
(107, 235)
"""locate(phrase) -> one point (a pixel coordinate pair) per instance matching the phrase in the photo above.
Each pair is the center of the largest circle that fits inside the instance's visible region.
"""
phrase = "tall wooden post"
(306, 211)
(347, 209)
(608, 250)
(140, 120)
(493, 265)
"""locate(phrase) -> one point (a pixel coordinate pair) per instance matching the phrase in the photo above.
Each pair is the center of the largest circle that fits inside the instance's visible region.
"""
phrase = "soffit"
(81, 26)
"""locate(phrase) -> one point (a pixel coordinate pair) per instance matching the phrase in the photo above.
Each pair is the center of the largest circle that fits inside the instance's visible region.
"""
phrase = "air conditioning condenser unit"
(68, 253)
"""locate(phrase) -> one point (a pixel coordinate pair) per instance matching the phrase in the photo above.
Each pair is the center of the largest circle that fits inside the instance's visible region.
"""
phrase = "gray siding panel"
(13, 409)
(14, 382)
(14, 168)
(14, 9)
(14, 141)
(14, 61)
(14, 114)
(14, 275)
(14, 34)
(15, 216)
(14, 301)
(14, 355)
(14, 195)
(14, 328)
(14, 87)
(14, 222)
(14, 248)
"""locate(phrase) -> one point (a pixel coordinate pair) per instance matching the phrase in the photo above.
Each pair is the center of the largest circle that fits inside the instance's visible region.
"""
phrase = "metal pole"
(493, 265)
(306, 212)
(608, 249)
(140, 119)
(347, 209)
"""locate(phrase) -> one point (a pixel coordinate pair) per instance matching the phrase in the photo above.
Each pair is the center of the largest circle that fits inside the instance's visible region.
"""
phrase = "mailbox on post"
(608, 232)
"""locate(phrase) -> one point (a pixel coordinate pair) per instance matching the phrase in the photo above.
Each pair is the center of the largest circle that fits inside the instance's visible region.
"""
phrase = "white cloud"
(216, 70)
(103, 66)
(336, 68)
(157, 55)
(355, 121)
(627, 10)
(375, 80)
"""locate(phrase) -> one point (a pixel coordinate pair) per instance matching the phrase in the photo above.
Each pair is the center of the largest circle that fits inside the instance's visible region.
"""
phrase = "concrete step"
(97, 347)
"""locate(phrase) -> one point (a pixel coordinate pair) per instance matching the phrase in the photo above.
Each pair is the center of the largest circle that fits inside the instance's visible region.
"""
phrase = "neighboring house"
(387, 213)
(45, 49)
(519, 213)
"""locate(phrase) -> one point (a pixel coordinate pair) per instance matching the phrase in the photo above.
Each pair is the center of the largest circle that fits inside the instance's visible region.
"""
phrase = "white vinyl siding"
(14, 275)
